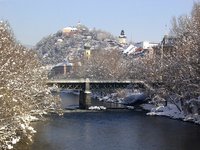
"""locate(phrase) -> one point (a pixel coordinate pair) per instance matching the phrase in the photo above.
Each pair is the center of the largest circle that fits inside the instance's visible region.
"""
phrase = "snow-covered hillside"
(66, 44)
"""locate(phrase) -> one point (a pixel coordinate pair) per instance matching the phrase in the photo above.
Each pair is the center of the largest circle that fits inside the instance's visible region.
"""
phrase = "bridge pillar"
(81, 100)
(84, 99)
(85, 96)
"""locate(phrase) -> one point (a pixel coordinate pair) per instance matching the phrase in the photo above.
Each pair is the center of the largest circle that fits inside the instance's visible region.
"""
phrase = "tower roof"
(122, 34)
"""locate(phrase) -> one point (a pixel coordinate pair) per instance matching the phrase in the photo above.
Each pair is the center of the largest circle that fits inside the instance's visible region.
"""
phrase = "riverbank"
(170, 111)
(131, 97)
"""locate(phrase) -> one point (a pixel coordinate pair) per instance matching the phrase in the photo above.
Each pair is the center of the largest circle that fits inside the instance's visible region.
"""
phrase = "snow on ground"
(147, 107)
(170, 111)
(97, 108)
(130, 107)
(192, 118)
(130, 97)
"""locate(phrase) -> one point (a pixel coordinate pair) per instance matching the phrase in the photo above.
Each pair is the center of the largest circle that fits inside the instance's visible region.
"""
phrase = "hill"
(69, 43)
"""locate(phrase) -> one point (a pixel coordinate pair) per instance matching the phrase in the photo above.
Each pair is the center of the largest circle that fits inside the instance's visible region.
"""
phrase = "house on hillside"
(140, 49)
(61, 69)
(130, 50)
(69, 30)
(168, 42)
(165, 49)
(146, 44)
(167, 45)
(146, 48)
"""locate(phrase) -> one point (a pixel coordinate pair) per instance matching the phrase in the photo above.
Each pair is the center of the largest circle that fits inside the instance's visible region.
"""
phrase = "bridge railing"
(95, 84)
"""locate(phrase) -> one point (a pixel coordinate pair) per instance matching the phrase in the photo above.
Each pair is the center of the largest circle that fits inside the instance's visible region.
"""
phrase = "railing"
(94, 84)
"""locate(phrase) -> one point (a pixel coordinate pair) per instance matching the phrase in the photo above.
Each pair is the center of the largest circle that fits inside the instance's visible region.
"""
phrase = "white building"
(69, 30)
(146, 45)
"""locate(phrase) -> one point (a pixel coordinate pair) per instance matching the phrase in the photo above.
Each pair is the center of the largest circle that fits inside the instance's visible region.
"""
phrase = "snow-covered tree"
(186, 64)
(23, 92)
(177, 71)
(104, 64)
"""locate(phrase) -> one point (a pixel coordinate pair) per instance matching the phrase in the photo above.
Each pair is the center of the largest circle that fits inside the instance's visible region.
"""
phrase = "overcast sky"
(141, 19)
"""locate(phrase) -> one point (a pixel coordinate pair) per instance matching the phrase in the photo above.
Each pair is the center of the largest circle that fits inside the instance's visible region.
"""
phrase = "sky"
(142, 20)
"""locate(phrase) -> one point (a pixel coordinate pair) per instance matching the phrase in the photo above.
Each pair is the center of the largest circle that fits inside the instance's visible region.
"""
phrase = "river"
(113, 130)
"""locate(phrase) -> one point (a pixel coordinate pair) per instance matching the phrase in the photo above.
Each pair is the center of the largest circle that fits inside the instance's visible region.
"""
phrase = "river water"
(113, 130)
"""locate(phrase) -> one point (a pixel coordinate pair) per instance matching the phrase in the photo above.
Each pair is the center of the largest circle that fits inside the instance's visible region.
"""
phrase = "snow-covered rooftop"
(130, 49)
(64, 63)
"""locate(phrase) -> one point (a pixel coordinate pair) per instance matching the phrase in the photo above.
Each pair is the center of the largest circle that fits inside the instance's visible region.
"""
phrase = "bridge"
(85, 86)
